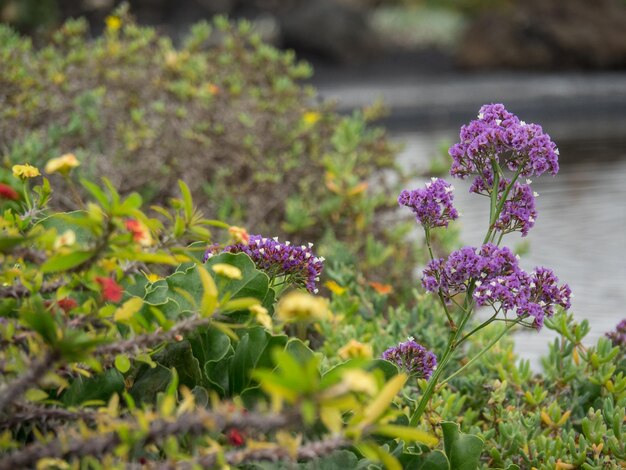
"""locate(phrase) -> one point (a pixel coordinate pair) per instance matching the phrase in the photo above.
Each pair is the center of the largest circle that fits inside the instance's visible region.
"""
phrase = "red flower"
(140, 232)
(235, 438)
(111, 290)
(67, 303)
(7, 192)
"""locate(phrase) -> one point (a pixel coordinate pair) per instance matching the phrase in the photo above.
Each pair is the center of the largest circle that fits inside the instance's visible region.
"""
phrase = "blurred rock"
(548, 34)
(337, 30)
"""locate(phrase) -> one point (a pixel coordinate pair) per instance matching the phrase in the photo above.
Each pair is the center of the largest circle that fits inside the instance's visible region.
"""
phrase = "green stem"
(479, 327)
(452, 344)
(74, 192)
(440, 294)
(483, 351)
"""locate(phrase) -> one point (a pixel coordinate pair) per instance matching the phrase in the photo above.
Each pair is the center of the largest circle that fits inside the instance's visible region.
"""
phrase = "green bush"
(224, 112)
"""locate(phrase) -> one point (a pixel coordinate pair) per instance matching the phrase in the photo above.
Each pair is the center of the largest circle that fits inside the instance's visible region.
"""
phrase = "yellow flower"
(113, 22)
(334, 287)
(25, 171)
(356, 349)
(62, 164)
(227, 270)
(68, 238)
(262, 316)
(302, 306)
(311, 117)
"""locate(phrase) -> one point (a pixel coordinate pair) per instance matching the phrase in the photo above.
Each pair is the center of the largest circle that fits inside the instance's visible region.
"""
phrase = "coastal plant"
(488, 276)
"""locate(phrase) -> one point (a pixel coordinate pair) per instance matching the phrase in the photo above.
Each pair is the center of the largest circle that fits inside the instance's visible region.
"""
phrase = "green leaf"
(40, 321)
(99, 387)
(65, 262)
(122, 363)
(463, 450)
(179, 356)
(252, 351)
(149, 382)
(7, 243)
(406, 433)
(187, 201)
(253, 283)
(435, 460)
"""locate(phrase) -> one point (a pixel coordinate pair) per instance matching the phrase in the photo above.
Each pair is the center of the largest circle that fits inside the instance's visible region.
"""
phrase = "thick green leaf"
(179, 356)
(99, 387)
(149, 382)
(435, 460)
(253, 283)
(463, 450)
(209, 346)
(252, 351)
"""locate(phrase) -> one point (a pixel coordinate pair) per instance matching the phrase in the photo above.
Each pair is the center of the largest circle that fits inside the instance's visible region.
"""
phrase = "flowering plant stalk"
(489, 275)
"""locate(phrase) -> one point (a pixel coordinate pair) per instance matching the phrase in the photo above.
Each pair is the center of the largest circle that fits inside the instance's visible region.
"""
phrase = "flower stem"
(441, 299)
(483, 351)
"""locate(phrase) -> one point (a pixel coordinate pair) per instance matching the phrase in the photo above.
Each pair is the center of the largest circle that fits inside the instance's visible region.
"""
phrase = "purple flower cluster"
(618, 337)
(432, 205)
(494, 275)
(412, 358)
(297, 263)
(499, 135)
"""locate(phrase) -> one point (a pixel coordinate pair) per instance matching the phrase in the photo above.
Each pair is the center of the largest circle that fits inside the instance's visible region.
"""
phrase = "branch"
(29, 412)
(18, 291)
(35, 373)
(196, 422)
(148, 340)
(310, 451)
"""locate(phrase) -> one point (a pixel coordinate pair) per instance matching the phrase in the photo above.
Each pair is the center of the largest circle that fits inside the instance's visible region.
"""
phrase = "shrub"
(224, 112)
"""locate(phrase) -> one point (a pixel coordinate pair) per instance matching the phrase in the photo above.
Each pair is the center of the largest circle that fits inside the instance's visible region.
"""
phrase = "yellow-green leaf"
(128, 309)
(209, 296)
(405, 433)
(383, 400)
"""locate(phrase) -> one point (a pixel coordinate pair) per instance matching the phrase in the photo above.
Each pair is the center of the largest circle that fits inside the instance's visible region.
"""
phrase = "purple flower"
(499, 136)
(432, 205)
(618, 337)
(297, 263)
(496, 279)
(518, 211)
(412, 358)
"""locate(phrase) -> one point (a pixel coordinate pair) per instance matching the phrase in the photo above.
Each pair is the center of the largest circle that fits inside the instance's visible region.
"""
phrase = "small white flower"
(287, 243)
(275, 239)
(556, 151)
(542, 303)
(411, 338)
(307, 255)
(481, 115)
(310, 245)
(478, 283)
(449, 189)
(517, 257)
(322, 258)
(498, 121)
(522, 123)
(488, 293)
(531, 220)
(529, 181)
(315, 291)
(536, 194)
(532, 285)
